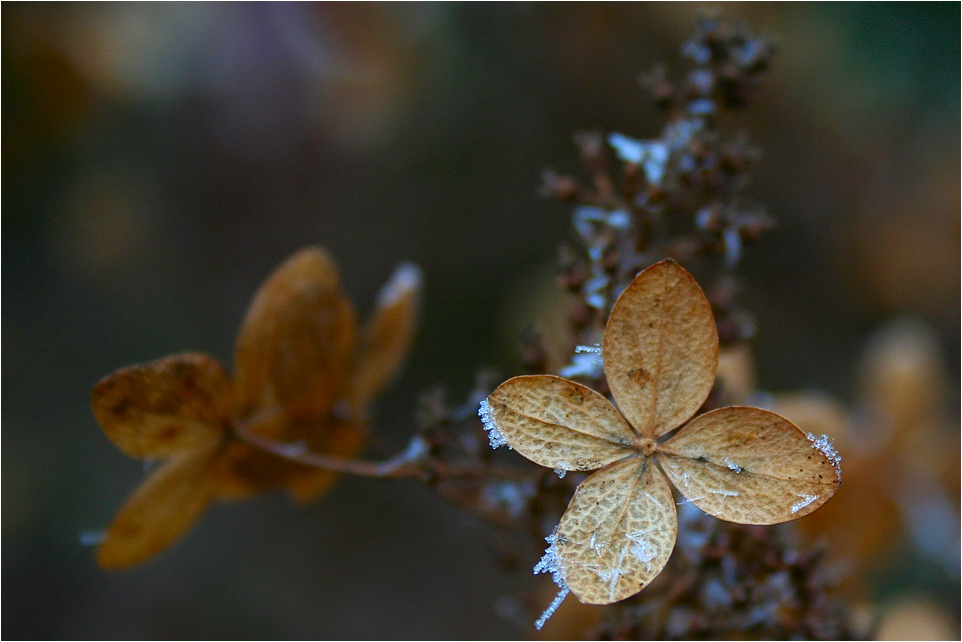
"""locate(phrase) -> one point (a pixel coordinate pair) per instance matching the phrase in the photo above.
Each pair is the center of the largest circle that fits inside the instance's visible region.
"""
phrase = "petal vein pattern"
(661, 349)
(618, 531)
(749, 466)
(559, 423)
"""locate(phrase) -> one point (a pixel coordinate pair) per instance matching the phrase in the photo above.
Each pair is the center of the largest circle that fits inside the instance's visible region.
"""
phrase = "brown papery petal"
(557, 423)
(660, 349)
(618, 532)
(750, 466)
(178, 404)
(164, 507)
(387, 336)
(295, 346)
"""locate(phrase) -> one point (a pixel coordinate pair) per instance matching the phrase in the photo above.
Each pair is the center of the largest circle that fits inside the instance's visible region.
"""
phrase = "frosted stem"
(548, 612)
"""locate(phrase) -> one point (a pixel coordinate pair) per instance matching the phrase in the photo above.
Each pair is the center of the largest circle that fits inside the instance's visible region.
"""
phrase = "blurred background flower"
(160, 159)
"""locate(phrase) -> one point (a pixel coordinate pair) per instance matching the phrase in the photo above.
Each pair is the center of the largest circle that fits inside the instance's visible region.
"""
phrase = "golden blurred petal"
(159, 512)
(296, 343)
(386, 338)
(917, 619)
(903, 374)
(660, 349)
(174, 405)
(736, 373)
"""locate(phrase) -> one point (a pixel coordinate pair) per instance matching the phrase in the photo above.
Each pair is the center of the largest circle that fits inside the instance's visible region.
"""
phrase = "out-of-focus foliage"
(158, 160)
(302, 377)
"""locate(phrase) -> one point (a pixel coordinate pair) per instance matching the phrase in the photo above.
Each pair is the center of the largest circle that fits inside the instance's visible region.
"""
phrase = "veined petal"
(618, 532)
(750, 466)
(661, 349)
(386, 338)
(558, 423)
(174, 405)
(296, 344)
(159, 512)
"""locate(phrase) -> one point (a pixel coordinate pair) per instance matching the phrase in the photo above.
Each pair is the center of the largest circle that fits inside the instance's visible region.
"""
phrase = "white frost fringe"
(495, 437)
(551, 563)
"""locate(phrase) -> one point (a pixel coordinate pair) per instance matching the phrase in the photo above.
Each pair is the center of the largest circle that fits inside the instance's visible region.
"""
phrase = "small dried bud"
(562, 187)
(592, 147)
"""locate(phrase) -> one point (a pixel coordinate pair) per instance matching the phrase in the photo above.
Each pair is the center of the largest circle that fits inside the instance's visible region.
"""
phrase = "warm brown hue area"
(741, 464)
(660, 349)
(560, 424)
(618, 531)
(300, 378)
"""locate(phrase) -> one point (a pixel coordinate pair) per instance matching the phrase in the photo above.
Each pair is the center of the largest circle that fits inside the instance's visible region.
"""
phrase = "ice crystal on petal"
(824, 444)
(495, 437)
(805, 501)
(724, 493)
(732, 465)
(642, 549)
(406, 277)
(551, 563)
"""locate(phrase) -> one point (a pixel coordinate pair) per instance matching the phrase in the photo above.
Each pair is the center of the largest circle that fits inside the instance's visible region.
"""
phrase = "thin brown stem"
(413, 461)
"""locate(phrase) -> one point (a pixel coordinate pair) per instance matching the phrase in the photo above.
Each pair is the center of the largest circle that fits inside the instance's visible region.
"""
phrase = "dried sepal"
(386, 337)
(557, 423)
(178, 404)
(660, 349)
(296, 343)
(618, 531)
(159, 512)
(750, 466)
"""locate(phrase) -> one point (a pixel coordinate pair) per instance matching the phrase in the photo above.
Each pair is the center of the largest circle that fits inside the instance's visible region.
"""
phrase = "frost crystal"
(586, 362)
(724, 493)
(551, 563)
(652, 155)
(495, 437)
(511, 496)
(805, 501)
(642, 549)
(824, 444)
(560, 472)
(732, 465)
(406, 277)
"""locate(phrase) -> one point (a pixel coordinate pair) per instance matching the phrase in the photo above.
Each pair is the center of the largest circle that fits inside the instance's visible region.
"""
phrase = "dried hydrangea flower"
(303, 376)
(741, 464)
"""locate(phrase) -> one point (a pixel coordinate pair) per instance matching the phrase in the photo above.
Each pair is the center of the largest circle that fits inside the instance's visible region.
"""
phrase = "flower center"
(645, 445)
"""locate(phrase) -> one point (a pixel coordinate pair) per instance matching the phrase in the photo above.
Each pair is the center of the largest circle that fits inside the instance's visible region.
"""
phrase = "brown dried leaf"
(387, 336)
(296, 344)
(750, 466)
(178, 404)
(164, 507)
(660, 349)
(557, 423)
(618, 532)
